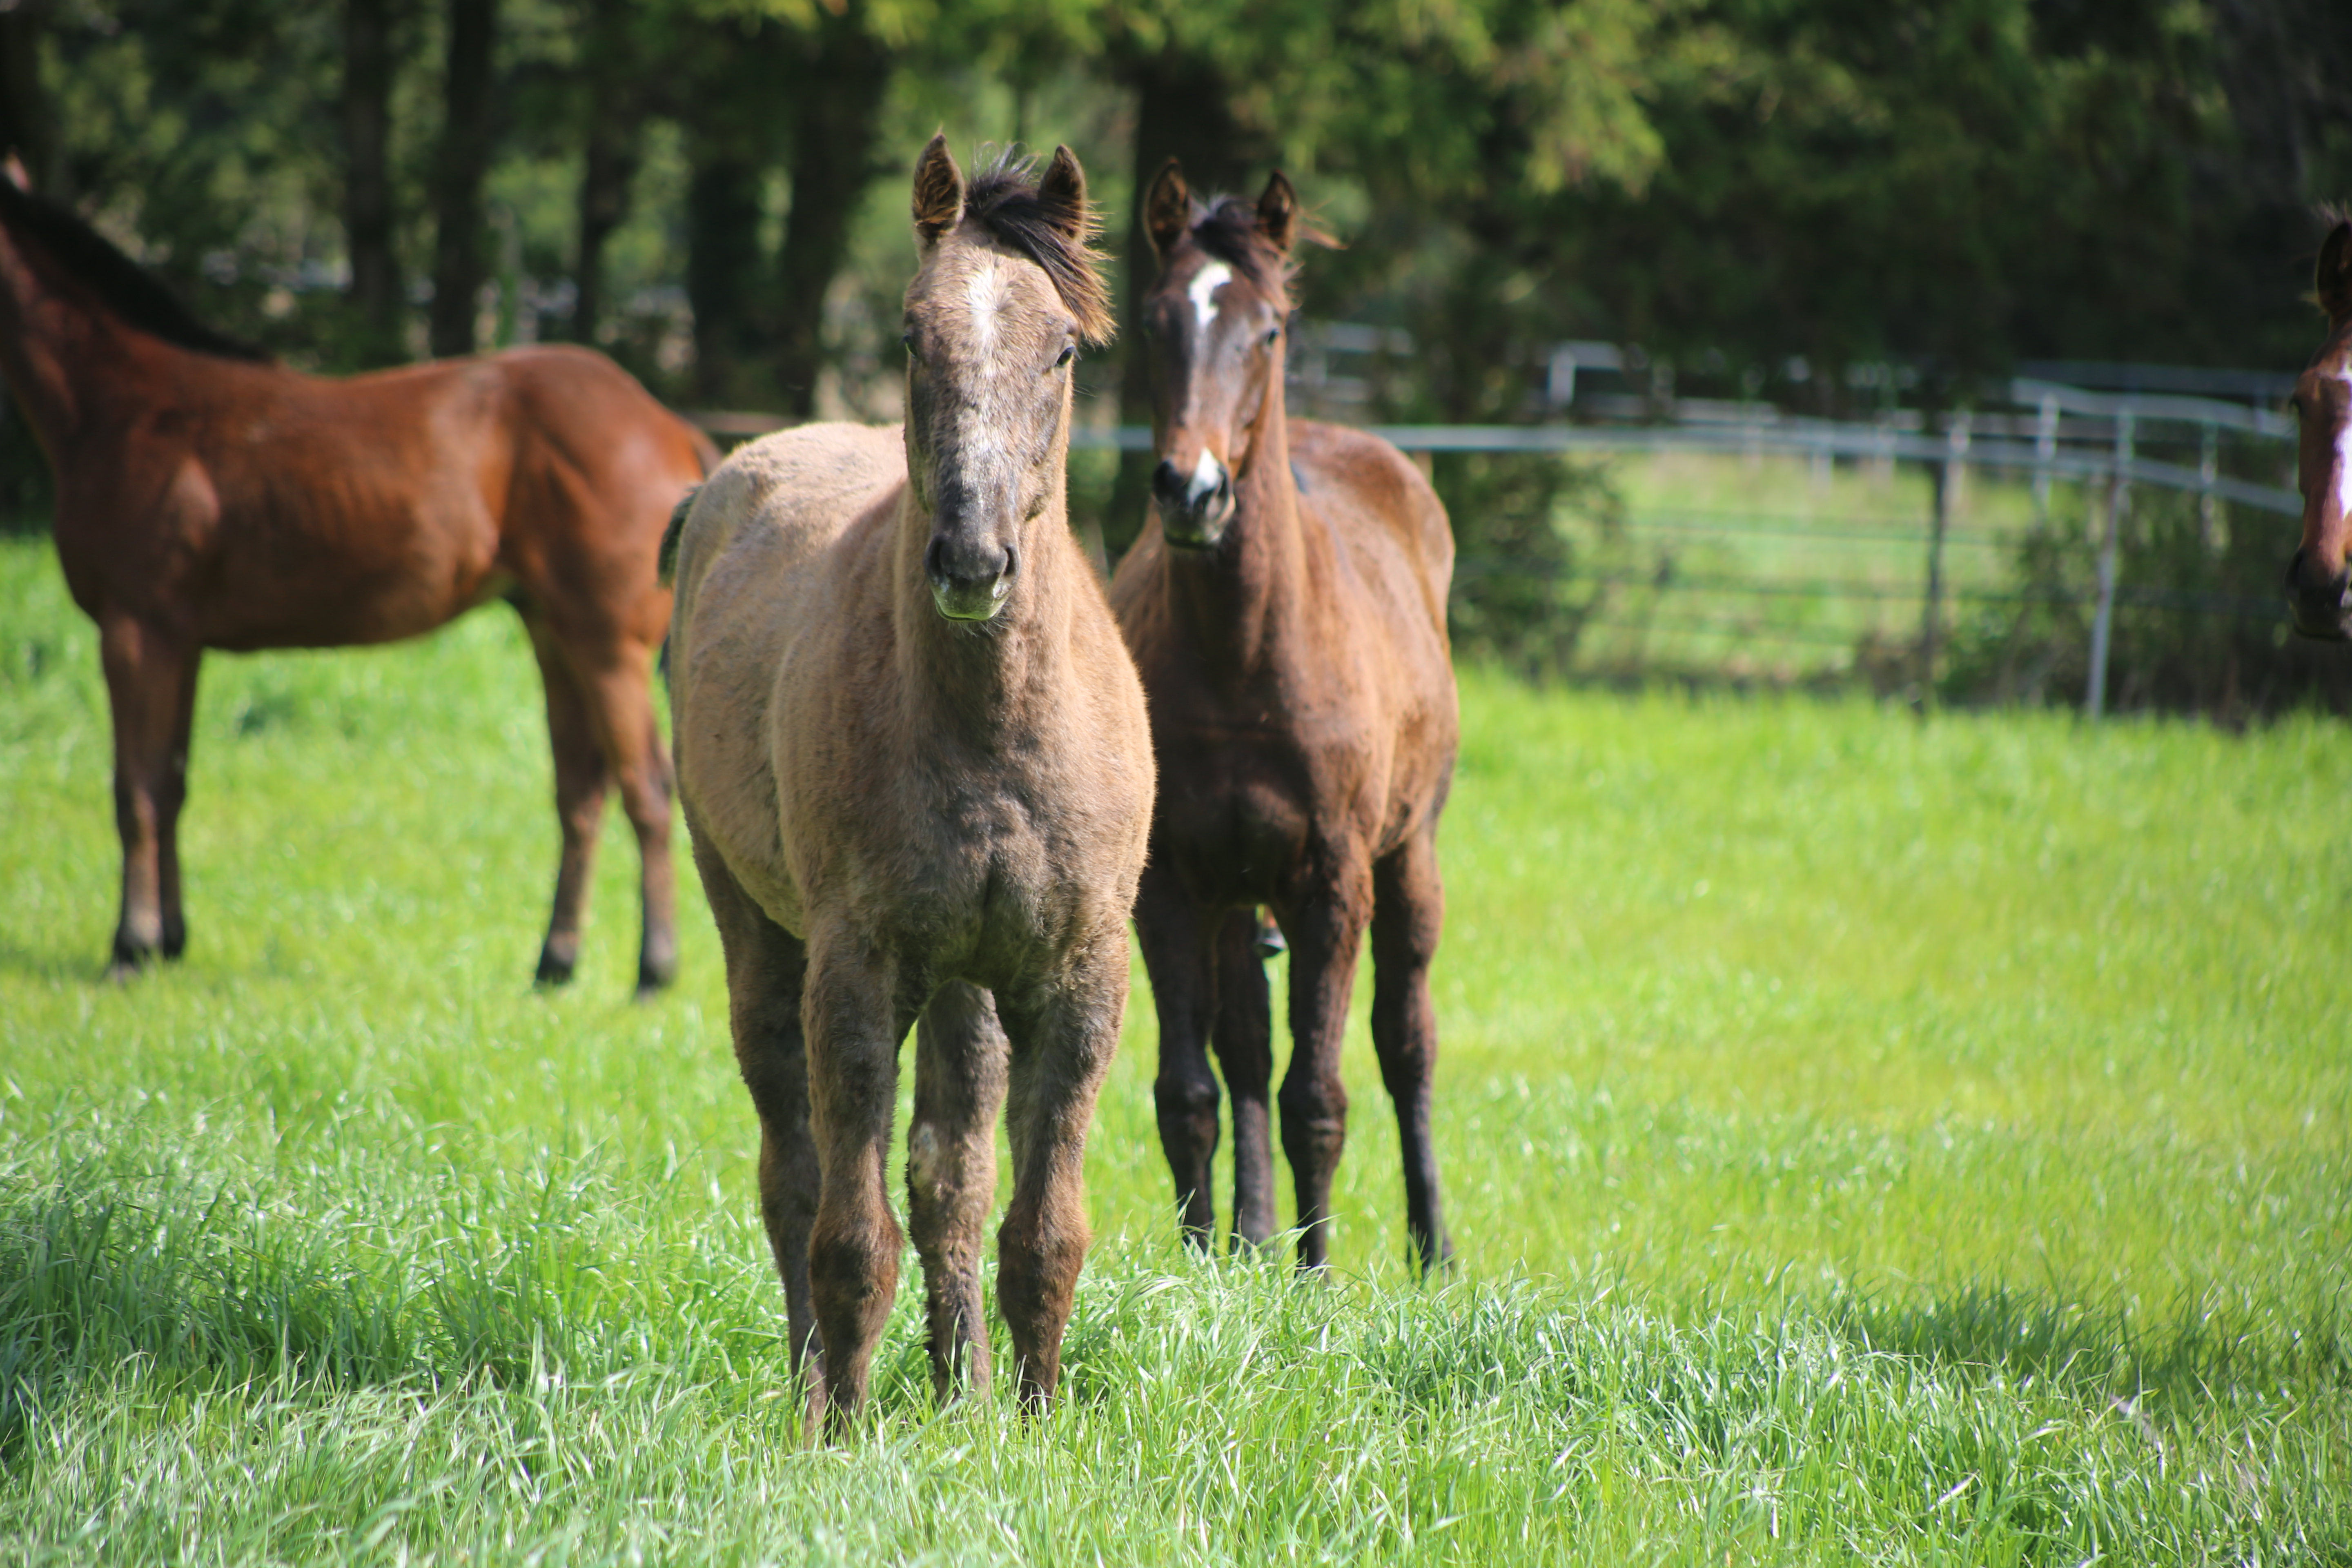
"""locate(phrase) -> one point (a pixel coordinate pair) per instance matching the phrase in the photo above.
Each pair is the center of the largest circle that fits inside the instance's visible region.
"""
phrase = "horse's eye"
(1069, 352)
(906, 340)
(1271, 334)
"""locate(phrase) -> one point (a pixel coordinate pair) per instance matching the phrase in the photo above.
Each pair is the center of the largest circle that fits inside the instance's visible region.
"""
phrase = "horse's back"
(1381, 511)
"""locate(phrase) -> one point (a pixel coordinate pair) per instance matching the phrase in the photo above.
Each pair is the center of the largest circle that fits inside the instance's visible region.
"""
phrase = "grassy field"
(1866, 1141)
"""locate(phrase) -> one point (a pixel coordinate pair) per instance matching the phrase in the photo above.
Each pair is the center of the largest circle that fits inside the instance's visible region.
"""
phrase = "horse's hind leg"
(581, 778)
(1409, 908)
(622, 694)
(1185, 1093)
(1244, 1042)
(151, 682)
(766, 966)
(959, 1074)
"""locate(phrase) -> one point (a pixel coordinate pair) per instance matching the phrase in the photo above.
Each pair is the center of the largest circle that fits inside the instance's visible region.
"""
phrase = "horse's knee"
(1187, 1099)
(1314, 1118)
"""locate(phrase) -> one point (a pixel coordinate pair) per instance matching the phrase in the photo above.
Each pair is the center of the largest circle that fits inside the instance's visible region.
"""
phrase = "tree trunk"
(834, 126)
(458, 266)
(1183, 111)
(722, 275)
(367, 181)
(615, 117)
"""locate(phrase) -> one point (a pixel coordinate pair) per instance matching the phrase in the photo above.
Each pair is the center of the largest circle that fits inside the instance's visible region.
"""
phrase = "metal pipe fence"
(2088, 439)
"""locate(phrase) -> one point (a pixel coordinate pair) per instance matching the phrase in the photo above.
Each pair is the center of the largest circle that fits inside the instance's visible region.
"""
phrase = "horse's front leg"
(1326, 928)
(850, 1019)
(1063, 1039)
(151, 685)
(960, 1076)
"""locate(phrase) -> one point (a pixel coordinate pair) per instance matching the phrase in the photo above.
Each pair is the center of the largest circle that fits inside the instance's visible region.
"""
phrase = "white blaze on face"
(1206, 475)
(1205, 284)
(2344, 451)
(985, 292)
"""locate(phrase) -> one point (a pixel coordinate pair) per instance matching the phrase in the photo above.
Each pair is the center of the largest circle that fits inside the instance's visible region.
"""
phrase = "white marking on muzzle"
(1207, 474)
(1206, 282)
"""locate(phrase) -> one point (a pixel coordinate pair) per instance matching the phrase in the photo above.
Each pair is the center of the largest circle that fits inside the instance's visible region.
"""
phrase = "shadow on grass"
(2197, 1351)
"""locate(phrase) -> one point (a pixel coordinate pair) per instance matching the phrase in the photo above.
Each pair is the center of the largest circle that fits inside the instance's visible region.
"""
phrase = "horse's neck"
(52, 342)
(1239, 598)
(977, 681)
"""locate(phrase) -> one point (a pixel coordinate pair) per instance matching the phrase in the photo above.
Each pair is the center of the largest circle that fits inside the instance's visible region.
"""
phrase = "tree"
(375, 293)
(468, 144)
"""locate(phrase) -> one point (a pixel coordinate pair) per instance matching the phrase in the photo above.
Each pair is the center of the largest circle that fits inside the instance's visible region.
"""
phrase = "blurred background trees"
(1771, 199)
(710, 187)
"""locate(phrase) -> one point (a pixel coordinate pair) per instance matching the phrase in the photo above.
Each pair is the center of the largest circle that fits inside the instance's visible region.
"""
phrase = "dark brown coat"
(1285, 605)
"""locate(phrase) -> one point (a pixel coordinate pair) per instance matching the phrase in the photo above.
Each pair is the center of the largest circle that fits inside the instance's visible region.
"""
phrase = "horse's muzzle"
(968, 583)
(1193, 515)
(2322, 606)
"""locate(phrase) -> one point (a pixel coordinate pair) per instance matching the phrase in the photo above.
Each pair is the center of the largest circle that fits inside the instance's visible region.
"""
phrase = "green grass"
(1865, 1142)
(1843, 545)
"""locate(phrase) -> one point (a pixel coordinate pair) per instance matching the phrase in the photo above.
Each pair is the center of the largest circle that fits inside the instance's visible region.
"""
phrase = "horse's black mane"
(124, 286)
(1002, 198)
(1228, 229)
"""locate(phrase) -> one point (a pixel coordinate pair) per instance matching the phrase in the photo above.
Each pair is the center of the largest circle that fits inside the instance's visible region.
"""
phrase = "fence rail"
(2109, 463)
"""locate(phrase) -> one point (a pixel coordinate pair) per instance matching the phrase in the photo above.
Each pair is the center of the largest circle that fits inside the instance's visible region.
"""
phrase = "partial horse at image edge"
(209, 498)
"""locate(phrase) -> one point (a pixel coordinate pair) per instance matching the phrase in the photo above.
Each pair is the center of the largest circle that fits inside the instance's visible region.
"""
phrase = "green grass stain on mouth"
(1966, 1176)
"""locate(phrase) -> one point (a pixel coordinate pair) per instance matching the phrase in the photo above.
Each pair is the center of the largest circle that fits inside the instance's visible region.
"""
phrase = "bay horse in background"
(2318, 581)
(1285, 605)
(916, 773)
(209, 498)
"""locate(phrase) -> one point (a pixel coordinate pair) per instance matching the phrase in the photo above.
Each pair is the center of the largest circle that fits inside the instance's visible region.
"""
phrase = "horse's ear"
(1063, 193)
(1277, 213)
(1168, 210)
(939, 191)
(2333, 280)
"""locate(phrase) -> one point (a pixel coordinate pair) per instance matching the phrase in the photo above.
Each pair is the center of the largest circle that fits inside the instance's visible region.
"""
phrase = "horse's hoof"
(1270, 943)
(654, 978)
(553, 971)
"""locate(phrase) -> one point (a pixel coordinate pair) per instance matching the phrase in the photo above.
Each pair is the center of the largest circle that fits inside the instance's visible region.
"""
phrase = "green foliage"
(1855, 1154)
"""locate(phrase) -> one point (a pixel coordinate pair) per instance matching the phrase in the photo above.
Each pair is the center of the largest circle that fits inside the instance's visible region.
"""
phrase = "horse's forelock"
(1004, 200)
(1227, 229)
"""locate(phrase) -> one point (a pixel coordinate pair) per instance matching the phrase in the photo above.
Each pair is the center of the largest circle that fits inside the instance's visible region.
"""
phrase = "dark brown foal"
(1285, 605)
(208, 499)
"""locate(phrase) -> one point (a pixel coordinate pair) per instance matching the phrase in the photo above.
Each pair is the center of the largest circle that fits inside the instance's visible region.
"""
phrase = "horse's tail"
(665, 563)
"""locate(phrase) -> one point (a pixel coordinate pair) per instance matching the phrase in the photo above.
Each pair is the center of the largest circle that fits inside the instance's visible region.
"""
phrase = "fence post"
(2209, 469)
(2046, 449)
(1942, 477)
(2095, 699)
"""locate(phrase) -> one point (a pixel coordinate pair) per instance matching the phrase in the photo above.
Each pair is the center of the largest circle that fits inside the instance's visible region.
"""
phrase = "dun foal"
(1285, 605)
(208, 499)
(2318, 582)
(918, 774)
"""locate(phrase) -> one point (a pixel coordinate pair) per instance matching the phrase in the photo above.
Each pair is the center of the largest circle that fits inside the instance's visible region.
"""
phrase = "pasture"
(1864, 1142)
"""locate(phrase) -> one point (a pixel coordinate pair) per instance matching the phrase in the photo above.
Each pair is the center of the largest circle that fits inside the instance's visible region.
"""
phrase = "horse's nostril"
(1165, 481)
(932, 562)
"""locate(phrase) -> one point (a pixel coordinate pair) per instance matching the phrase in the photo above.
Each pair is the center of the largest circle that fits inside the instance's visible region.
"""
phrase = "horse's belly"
(1233, 832)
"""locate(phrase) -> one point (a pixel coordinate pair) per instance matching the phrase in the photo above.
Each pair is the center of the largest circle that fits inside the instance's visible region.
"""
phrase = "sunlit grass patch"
(1865, 1139)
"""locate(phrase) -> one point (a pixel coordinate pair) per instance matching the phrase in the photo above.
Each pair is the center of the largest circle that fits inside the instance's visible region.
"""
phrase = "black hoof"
(553, 971)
